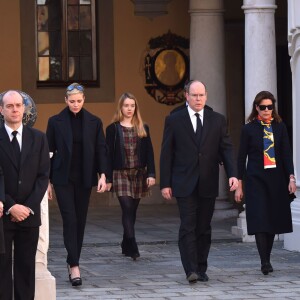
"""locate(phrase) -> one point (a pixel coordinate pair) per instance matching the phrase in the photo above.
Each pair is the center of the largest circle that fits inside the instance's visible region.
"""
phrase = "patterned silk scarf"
(268, 138)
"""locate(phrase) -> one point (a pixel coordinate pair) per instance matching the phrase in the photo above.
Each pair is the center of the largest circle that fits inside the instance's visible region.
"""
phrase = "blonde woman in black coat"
(268, 175)
(131, 161)
(77, 141)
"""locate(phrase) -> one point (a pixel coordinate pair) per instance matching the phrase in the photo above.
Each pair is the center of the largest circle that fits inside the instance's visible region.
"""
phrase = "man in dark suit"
(189, 166)
(2, 199)
(24, 158)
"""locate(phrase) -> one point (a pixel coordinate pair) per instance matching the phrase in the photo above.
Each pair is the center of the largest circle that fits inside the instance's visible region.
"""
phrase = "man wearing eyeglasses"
(189, 164)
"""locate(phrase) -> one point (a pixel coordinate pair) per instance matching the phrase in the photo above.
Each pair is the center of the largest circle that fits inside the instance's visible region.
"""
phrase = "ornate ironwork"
(166, 68)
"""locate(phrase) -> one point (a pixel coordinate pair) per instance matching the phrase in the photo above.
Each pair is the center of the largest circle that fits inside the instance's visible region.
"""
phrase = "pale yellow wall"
(131, 36)
(10, 52)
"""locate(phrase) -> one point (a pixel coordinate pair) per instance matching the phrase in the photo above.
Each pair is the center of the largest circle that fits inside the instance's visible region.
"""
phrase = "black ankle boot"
(265, 268)
(270, 268)
(124, 246)
(133, 250)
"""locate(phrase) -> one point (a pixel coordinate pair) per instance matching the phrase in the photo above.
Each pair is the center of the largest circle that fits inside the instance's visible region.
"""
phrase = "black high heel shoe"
(76, 281)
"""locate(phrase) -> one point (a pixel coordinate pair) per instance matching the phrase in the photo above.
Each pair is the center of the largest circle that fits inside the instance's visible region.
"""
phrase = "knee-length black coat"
(266, 190)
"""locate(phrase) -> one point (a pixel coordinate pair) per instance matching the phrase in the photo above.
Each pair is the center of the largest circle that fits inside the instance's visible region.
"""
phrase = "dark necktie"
(16, 146)
(198, 129)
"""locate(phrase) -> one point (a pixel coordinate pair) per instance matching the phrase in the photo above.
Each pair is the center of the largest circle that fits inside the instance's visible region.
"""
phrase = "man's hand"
(238, 195)
(167, 193)
(233, 183)
(19, 213)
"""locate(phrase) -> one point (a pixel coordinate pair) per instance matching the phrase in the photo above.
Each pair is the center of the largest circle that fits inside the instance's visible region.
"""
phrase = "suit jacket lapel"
(27, 146)
(206, 125)
(85, 127)
(6, 146)
(64, 124)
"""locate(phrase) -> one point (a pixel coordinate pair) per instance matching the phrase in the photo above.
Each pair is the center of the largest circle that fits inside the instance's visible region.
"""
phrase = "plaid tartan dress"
(130, 181)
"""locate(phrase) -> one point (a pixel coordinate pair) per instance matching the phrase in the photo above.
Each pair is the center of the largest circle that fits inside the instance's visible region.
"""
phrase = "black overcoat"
(266, 190)
(60, 139)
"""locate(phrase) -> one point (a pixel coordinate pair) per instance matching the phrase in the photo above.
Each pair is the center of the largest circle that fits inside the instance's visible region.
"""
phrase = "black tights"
(264, 243)
(129, 207)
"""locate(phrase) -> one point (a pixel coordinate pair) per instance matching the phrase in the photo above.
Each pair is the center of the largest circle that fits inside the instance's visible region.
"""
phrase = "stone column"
(260, 49)
(207, 63)
(45, 286)
(292, 240)
(260, 66)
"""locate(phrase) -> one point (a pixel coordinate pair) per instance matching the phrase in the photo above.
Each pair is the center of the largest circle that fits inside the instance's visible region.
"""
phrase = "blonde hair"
(136, 121)
(74, 88)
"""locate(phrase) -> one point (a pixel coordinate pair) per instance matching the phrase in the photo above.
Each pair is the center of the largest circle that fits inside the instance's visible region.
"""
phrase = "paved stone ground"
(234, 267)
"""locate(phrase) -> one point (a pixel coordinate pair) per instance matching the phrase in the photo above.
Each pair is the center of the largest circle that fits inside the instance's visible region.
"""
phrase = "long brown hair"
(258, 99)
(136, 121)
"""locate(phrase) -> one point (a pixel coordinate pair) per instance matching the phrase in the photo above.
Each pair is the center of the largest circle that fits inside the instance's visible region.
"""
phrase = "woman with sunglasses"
(77, 141)
(131, 165)
(265, 165)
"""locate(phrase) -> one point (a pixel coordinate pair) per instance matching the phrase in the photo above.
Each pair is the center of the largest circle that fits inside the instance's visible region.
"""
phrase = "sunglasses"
(263, 107)
(75, 86)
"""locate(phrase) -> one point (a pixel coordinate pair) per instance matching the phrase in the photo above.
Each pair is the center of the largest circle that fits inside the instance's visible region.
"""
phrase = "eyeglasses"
(197, 95)
(263, 107)
(75, 86)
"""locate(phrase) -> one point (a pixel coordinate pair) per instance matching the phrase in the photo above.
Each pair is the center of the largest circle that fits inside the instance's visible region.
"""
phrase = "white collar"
(192, 112)
(10, 130)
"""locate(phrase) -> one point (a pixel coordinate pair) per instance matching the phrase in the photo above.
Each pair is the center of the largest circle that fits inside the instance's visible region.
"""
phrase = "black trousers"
(20, 282)
(195, 231)
(73, 201)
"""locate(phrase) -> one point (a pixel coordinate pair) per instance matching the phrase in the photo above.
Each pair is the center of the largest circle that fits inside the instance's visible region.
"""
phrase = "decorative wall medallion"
(166, 67)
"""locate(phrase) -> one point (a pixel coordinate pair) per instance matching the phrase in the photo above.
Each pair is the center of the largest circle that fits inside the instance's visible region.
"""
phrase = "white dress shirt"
(194, 118)
(18, 136)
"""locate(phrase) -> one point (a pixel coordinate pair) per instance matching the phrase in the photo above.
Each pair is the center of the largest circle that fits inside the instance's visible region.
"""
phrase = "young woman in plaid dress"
(131, 165)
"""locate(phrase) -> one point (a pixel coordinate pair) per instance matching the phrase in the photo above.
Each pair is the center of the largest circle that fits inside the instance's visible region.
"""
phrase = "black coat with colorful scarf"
(266, 190)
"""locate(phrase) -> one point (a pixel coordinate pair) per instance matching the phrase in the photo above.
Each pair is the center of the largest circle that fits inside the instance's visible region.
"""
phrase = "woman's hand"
(49, 191)
(238, 194)
(108, 186)
(150, 181)
(1, 209)
(292, 187)
(101, 184)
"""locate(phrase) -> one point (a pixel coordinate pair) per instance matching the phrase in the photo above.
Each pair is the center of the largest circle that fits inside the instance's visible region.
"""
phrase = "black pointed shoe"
(192, 277)
(202, 276)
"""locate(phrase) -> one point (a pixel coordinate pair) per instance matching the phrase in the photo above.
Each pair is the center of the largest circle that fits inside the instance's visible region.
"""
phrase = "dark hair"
(188, 84)
(258, 99)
